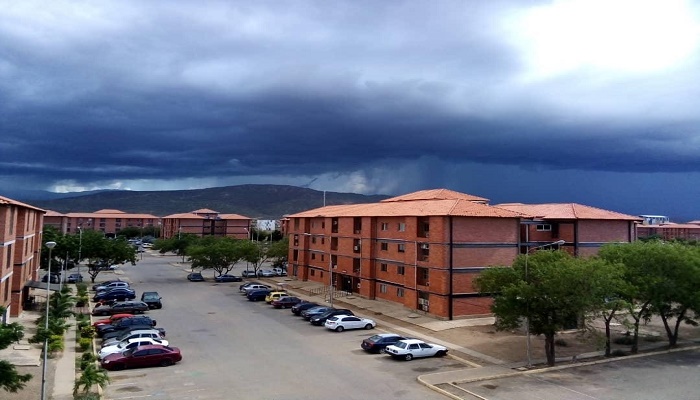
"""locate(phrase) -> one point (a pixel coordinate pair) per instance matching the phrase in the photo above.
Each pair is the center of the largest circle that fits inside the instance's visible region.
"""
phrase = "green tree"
(544, 287)
(664, 278)
(278, 251)
(101, 252)
(90, 377)
(220, 254)
(10, 380)
(177, 244)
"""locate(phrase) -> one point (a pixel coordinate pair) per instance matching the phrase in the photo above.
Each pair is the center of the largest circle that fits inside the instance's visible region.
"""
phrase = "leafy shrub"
(84, 344)
(55, 343)
(624, 340)
(87, 396)
(87, 332)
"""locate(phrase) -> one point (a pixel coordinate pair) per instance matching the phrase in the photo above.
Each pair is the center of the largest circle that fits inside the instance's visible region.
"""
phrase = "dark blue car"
(119, 294)
(228, 278)
(258, 295)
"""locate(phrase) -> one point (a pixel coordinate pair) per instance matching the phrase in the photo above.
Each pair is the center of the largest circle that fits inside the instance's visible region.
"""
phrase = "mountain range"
(254, 201)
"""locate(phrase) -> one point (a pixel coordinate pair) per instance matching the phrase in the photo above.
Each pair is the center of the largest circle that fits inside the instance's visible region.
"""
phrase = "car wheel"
(339, 329)
(440, 353)
(408, 357)
(368, 326)
(166, 363)
(382, 350)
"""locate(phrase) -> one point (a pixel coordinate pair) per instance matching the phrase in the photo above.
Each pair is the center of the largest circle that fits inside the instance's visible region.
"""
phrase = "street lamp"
(527, 317)
(50, 246)
(80, 247)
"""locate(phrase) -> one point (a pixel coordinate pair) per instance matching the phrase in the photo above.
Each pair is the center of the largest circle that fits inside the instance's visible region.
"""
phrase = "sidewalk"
(64, 376)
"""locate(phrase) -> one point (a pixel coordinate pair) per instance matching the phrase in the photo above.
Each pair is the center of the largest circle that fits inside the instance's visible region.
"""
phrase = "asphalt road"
(236, 349)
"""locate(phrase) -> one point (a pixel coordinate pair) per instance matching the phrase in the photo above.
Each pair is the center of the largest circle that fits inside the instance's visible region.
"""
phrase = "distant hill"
(255, 201)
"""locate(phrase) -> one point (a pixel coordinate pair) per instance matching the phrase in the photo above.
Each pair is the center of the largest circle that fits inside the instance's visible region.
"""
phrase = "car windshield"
(401, 345)
(150, 296)
(374, 338)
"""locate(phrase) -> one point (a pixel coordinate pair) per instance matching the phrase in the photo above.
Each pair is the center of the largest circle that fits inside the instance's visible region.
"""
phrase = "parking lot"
(233, 348)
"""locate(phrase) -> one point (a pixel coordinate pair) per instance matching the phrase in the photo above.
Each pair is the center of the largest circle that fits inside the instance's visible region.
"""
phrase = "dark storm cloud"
(115, 93)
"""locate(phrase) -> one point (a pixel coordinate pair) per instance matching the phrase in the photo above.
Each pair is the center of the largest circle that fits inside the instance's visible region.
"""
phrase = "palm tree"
(91, 376)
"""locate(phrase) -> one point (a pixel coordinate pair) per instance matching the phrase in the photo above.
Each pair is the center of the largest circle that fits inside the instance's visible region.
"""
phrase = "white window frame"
(544, 227)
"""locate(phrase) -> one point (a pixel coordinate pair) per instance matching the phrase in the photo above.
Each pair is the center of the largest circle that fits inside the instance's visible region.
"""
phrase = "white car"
(409, 349)
(129, 344)
(141, 333)
(267, 273)
(340, 323)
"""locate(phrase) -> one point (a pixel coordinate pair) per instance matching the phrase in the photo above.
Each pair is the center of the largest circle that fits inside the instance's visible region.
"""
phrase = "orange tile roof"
(696, 222)
(566, 211)
(204, 211)
(52, 213)
(109, 211)
(184, 216)
(233, 216)
(447, 207)
(9, 201)
(436, 194)
(119, 214)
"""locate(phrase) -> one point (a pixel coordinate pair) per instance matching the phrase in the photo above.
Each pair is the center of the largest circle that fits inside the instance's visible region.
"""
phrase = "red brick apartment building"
(205, 222)
(20, 241)
(424, 249)
(687, 231)
(109, 222)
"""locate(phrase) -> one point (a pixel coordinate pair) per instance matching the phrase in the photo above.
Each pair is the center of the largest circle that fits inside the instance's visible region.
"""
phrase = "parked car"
(248, 274)
(127, 345)
(302, 306)
(112, 319)
(258, 294)
(341, 323)
(128, 329)
(74, 278)
(111, 285)
(195, 277)
(104, 283)
(133, 334)
(279, 271)
(142, 356)
(121, 307)
(314, 311)
(286, 302)
(152, 299)
(257, 286)
(377, 343)
(274, 295)
(245, 285)
(320, 319)
(267, 273)
(119, 294)
(54, 278)
(122, 323)
(408, 349)
(228, 278)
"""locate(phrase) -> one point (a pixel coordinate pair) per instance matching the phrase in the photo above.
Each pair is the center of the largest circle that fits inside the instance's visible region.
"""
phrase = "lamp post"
(49, 245)
(80, 246)
(527, 317)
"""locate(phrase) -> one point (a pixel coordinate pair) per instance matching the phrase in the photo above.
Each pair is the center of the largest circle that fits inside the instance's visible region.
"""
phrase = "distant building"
(109, 222)
(266, 225)
(655, 219)
(688, 231)
(424, 249)
(205, 222)
(20, 249)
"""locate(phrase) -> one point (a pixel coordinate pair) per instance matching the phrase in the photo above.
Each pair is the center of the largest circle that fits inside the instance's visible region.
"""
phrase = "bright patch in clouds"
(628, 36)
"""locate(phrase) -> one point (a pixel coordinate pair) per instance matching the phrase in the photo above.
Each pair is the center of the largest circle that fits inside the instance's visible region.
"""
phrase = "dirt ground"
(511, 345)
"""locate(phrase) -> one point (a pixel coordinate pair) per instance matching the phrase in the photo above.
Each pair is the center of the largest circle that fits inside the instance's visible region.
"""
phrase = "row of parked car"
(339, 320)
(261, 273)
(117, 297)
(129, 340)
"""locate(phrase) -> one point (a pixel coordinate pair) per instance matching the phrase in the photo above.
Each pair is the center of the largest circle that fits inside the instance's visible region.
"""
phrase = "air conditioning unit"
(421, 301)
(425, 246)
(335, 266)
(357, 231)
(357, 248)
(424, 307)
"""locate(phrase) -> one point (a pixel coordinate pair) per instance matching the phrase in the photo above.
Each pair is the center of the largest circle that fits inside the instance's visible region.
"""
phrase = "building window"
(323, 256)
(382, 288)
(323, 240)
(399, 292)
(402, 227)
(400, 269)
(385, 246)
(313, 272)
(385, 226)
(313, 256)
(313, 239)
(544, 228)
(383, 267)
(402, 248)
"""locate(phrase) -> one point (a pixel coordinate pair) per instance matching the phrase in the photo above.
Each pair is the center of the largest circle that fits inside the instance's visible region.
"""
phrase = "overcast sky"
(587, 101)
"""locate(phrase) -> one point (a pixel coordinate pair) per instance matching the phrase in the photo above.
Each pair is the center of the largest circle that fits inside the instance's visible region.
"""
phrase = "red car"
(151, 355)
(111, 319)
